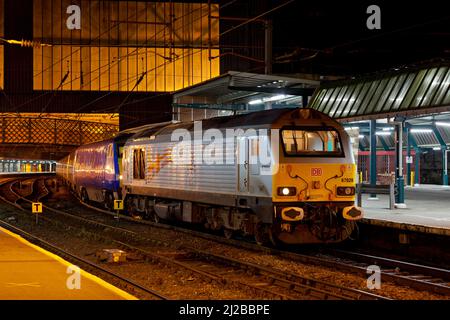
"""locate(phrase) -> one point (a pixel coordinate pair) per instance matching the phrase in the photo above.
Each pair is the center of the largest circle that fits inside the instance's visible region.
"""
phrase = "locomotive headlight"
(286, 191)
(345, 191)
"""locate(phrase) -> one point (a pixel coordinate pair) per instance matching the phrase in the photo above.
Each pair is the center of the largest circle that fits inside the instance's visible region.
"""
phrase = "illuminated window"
(312, 142)
(125, 46)
(138, 164)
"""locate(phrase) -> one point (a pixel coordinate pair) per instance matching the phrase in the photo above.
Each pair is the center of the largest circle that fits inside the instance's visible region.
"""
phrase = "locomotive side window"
(310, 142)
(139, 164)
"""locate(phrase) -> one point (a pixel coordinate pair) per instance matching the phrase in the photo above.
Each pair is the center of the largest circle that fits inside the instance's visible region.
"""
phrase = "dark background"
(318, 38)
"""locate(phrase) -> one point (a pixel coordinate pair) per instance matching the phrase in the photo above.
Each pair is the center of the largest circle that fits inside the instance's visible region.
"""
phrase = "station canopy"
(246, 91)
(408, 91)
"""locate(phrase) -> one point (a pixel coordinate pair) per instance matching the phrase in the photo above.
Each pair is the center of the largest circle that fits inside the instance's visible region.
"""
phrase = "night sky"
(332, 37)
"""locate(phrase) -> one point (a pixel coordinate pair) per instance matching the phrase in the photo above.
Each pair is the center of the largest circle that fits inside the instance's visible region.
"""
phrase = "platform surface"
(28, 272)
(427, 210)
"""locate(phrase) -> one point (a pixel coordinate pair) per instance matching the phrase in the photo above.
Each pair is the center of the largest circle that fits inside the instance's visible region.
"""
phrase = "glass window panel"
(338, 101)
(326, 99)
(309, 142)
(332, 100)
(371, 106)
(406, 85)
(126, 38)
(365, 100)
(421, 92)
(316, 103)
(358, 106)
(413, 89)
(353, 100)
(399, 81)
(434, 86)
(443, 88)
(388, 85)
(447, 97)
(346, 101)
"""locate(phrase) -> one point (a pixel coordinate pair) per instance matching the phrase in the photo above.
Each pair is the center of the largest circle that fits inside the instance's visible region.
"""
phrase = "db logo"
(316, 172)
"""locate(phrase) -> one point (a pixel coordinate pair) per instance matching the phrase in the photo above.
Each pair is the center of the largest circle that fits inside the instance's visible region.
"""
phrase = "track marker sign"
(36, 207)
(118, 204)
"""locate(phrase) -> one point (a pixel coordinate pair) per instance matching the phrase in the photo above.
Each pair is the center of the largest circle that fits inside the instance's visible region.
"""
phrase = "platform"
(428, 210)
(28, 272)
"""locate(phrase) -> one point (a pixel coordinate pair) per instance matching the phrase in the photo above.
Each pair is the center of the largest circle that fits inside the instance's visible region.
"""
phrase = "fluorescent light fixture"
(443, 124)
(383, 133)
(269, 99)
(421, 131)
(361, 136)
(436, 148)
(351, 128)
(257, 101)
(388, 129)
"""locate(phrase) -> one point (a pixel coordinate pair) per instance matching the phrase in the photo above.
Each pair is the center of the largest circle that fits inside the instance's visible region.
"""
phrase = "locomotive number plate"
(315, 172)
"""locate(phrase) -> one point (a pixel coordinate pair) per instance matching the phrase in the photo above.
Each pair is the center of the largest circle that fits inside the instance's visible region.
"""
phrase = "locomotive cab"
(314, 189)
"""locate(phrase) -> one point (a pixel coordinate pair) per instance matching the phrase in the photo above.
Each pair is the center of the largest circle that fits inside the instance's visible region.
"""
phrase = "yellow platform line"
(103, 283)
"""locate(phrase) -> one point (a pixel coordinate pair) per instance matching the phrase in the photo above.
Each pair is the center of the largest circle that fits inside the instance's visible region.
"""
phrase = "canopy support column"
(400, 182)
(373, 157)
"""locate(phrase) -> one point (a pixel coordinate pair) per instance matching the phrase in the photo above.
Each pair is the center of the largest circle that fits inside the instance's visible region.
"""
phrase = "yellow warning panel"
(118, 204)
(36, 207)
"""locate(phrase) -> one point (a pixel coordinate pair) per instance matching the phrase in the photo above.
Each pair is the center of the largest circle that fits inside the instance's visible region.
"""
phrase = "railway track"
(82, 263)
(401, 272)
(221, 269)
(412, 275)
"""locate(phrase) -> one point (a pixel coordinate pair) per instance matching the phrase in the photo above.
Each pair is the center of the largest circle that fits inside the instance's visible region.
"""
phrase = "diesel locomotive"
(281, 175)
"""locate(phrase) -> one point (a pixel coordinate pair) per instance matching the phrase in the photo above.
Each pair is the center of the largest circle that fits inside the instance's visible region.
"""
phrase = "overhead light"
(351, 128)
(436, 148)
(388, 129)
(443, 124)
(421, 131)
(383, 133)
(269, 99)
(361, 136)
(257, 101)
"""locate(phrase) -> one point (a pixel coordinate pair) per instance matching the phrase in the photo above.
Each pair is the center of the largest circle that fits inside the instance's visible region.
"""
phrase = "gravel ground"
(170, 282)
(177, 285)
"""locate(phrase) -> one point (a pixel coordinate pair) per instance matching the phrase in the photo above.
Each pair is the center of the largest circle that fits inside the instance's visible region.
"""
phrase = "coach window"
(139, 164)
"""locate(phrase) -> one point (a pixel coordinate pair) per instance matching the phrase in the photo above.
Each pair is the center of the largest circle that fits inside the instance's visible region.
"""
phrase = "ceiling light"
(257, 101)
(383, 133)
(436, 148)
(361, 136)
(443, 124)
(421, 131)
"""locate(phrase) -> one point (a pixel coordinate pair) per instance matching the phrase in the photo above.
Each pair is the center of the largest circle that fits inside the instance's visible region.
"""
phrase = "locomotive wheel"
(273, 238)
(154, 217)
(84, 196)
(109, 202)
(262, 234)
(228, 233)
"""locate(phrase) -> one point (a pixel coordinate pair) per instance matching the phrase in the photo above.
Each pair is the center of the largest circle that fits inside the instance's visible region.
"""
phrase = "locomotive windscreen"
(311, 142)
